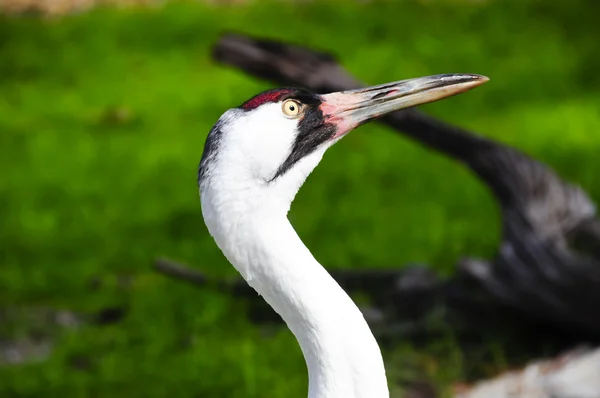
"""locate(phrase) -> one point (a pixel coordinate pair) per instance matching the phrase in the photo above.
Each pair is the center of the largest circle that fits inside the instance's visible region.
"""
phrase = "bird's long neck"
(341, 353)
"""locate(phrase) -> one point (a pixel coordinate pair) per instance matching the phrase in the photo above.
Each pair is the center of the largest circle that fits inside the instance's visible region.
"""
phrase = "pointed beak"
(349, 109)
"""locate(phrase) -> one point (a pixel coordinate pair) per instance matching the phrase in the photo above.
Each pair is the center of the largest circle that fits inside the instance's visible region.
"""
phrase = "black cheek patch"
(312, 132)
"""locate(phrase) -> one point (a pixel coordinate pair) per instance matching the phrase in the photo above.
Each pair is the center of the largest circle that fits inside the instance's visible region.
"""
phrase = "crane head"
(275, 139)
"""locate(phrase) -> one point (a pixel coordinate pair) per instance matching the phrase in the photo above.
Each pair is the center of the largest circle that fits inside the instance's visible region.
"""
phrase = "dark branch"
(179, 271)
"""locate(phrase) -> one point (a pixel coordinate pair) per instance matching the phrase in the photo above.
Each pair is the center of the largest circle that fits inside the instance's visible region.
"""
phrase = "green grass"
(87, 195)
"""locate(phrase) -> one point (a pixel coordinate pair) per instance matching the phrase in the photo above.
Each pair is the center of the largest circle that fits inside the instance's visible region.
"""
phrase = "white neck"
(342, 356)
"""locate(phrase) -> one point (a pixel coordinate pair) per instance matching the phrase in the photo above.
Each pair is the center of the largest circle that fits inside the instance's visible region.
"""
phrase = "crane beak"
(349, 109)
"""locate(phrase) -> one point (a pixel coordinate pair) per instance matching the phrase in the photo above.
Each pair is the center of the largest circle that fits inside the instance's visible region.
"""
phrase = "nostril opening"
(383, 94)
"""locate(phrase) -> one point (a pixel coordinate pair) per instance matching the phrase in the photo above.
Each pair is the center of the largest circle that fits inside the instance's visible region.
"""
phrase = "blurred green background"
(103, 117)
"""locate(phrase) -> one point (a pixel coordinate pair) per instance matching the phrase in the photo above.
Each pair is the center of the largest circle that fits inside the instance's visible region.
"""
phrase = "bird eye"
(291, 108)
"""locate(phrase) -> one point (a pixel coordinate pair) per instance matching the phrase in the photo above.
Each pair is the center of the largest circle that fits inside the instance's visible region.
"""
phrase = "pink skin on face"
(343, 109)
(333, 107)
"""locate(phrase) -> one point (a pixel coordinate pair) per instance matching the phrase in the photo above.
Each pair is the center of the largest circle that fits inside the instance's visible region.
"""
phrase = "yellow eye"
(291, 108)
